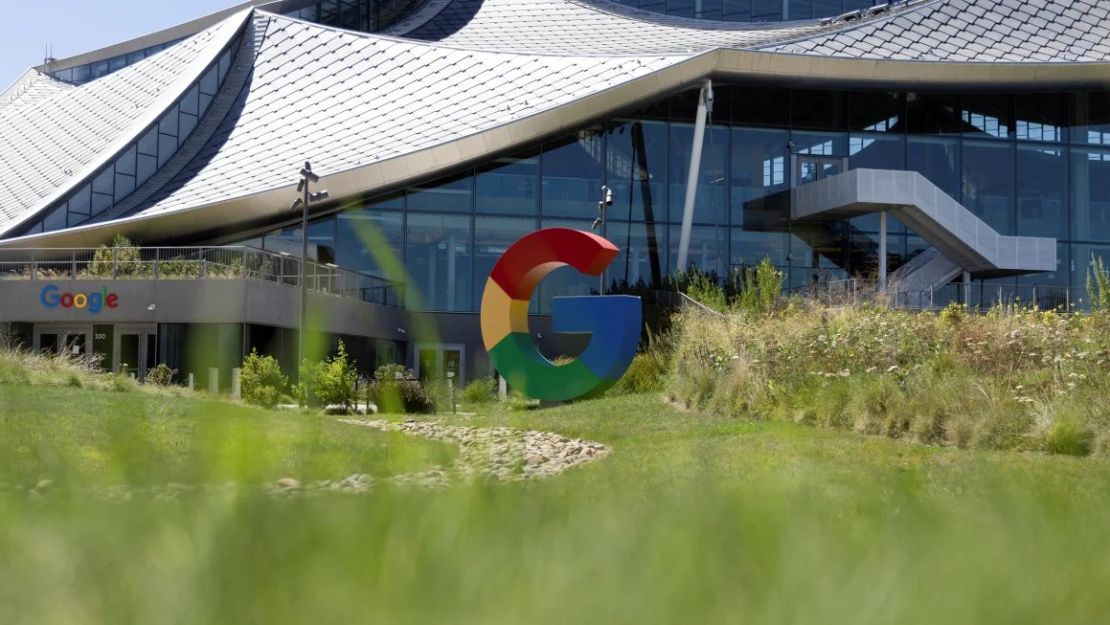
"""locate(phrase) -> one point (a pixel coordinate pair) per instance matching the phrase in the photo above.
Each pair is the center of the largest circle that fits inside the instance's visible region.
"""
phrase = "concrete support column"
(704, 100)
(882, 251)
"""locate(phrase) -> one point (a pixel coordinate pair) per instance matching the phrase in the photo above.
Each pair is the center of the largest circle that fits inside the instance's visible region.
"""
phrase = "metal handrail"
(194, 263)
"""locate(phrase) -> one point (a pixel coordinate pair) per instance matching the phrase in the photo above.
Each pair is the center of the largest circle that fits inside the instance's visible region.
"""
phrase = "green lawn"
(692, 519)
(78, 438)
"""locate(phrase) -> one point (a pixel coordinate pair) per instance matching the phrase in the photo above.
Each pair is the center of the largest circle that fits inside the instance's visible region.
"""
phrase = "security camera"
(608, 194)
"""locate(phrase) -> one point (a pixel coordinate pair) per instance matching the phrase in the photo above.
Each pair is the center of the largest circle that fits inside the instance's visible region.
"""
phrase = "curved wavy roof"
(472, 79)
(53, 141)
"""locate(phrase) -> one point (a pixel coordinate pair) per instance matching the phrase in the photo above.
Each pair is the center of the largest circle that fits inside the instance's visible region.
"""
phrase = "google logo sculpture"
(613, 320)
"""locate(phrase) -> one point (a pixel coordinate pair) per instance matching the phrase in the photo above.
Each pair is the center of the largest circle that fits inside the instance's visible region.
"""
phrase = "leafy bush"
(761, 290)
(123, 258)
(480, 391)
(705, 290)
(161, 375)
(261, 380)
(394, 390)
(329, 383)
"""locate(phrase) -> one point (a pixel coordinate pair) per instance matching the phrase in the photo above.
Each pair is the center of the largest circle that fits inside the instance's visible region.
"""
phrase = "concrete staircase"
(961, 241)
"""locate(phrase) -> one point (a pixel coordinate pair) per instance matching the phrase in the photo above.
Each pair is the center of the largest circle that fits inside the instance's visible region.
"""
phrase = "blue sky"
(76, 26)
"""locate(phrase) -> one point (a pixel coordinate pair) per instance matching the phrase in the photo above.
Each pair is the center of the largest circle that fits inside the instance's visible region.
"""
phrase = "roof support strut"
(705, 103)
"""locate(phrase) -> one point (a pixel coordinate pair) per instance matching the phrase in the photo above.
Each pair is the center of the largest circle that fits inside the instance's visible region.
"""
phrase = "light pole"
(599, 225)
(302, 202)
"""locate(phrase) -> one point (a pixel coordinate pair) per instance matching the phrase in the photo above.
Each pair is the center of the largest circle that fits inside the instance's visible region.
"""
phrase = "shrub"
(261, 380)
(761, 289)
(161, 375)
(394, 391)
(706, 291)
(480, 391)
(123, 258)
(329, 383)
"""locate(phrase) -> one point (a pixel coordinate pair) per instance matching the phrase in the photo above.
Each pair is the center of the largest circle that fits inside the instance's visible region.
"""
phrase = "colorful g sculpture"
(613, 320)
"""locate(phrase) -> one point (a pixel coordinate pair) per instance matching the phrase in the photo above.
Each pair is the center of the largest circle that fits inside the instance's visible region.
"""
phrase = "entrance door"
(136, 350)
(440, 361)
(73, 341)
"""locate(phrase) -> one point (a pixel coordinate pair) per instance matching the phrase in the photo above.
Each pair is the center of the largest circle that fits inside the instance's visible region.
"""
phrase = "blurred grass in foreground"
(693, 519)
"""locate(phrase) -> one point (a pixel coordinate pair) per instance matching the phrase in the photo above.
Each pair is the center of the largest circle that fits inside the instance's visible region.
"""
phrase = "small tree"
(123, 258)
(262, 380)
(331, 382)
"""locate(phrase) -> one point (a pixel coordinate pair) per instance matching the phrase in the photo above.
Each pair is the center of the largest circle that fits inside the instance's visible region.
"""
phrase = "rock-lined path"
(496, 454)
(499, 454)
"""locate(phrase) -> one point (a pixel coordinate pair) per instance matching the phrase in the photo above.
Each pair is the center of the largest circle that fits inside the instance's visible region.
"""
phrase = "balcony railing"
(194, 263)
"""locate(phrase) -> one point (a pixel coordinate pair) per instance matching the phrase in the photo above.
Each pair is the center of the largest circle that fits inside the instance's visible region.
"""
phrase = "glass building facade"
(1028, 164)
(751, 10)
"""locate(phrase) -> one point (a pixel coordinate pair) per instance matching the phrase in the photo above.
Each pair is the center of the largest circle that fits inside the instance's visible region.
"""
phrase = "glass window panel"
(285, 241)
(321, 240)
(1041, 117)
(938, 159)
(572, 176)
(1081, 259)
(225, 65)
(125, 164)
(1090, 194)
(987, 116)
(766, 10)
(1091, 116)
(371, 240)
(98, 69)
(64, 75)
(146, 167)
(125, 184)
(168, 124)
(820, 143)
(875, 111)
(56, 220)
(445, 195)
(933, 114)
(799, 9)
(750, 247)
(643, 257)
(101, 202)
(209, 82)
(167, 145)
(1042, 191)
(189, 101)
(711, 197)
(820, 110)
(637, 170)
(81, 74)
(116, 63)
(437, 254)
(103, 182)
(204, 101)
(708, 10)
(759, 106)
(683, 8)
(492, 236)
(988, 183)
(135, 57)
(185, 126)
(760, 178)
(81, 201)
(737, 10)
(708, 249)
(511, 185)
(148, 143)
(876, 151)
